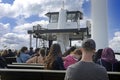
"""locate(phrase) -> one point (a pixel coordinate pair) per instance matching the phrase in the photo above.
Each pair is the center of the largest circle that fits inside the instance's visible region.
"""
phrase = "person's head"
(108, 55)
(42, 52)
(71, 49)
(24, 49)
(55, 49)
(9, 50)
(31, 48)
(99, 52)
(78, 53)
(97, 55)
(37, 50)
(5, 52)
(89, 45)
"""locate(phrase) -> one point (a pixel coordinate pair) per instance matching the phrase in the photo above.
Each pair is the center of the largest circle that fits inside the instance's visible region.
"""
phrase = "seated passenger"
(22, 56)
(39, 57)
(72, 58)
(108, 60)
(3, 63)
(31, 52)
(71, 49)
(86, 69)
(54, 59)
(4, 53)
(97, 55)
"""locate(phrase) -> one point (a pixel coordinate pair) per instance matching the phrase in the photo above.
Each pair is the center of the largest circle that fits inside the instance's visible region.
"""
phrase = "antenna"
(63, 3)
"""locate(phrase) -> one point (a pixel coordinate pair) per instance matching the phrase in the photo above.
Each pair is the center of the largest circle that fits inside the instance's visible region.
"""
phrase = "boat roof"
(79, 13)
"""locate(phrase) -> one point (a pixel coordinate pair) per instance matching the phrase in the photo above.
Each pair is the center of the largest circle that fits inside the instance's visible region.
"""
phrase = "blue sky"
(113, 17)
(17, 16)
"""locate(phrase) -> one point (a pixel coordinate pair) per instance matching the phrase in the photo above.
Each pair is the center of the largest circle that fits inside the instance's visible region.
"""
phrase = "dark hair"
(55, 50)
(88, 44)
(69, 51)
(9, 50)
(23, 49)
(42, 52)
(36, 53)
(97, 55)
(31, 47)
(37, 49)
(77, 51)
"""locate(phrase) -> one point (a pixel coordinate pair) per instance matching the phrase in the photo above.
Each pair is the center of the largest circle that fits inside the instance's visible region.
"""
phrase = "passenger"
(54, 59)
(108, 60)
(39, 57)
(3, 63)
(31, 52)
(10, 53)
(97, 55)
(69, 51)
(4, 53)
(72, 58)
(22, 56)
(86, 69)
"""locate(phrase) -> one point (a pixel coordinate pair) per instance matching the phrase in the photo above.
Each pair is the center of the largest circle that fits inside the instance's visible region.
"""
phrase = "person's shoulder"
(68, 57)
(58, 58)
(99, 67)
(24, 55)
(74, 66)
(27, 55)
(33, 57)
(39, 57)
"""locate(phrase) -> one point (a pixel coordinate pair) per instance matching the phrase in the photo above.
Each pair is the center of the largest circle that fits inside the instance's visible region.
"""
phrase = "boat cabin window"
(54, 18)
(71, 17)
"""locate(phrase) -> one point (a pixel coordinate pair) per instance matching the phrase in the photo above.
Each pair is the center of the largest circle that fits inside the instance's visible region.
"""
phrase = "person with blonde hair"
(39, 57)
(72, 58)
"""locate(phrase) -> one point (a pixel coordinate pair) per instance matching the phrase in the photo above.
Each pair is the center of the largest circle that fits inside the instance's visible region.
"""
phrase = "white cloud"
(37, 7)
(13, 40)
(19, 37)
(28, 26)
(115, 42)
(117, 34)
(21, 9)
(7, 10)
(4, 28)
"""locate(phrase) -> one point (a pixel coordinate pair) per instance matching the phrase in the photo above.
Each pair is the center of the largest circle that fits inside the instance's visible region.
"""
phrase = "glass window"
(71, 17)
(54, 18)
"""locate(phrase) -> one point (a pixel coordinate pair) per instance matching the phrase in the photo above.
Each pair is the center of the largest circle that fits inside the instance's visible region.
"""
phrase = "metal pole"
(30, 40)
(50, 43)
(36, 42)
(70, 42)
